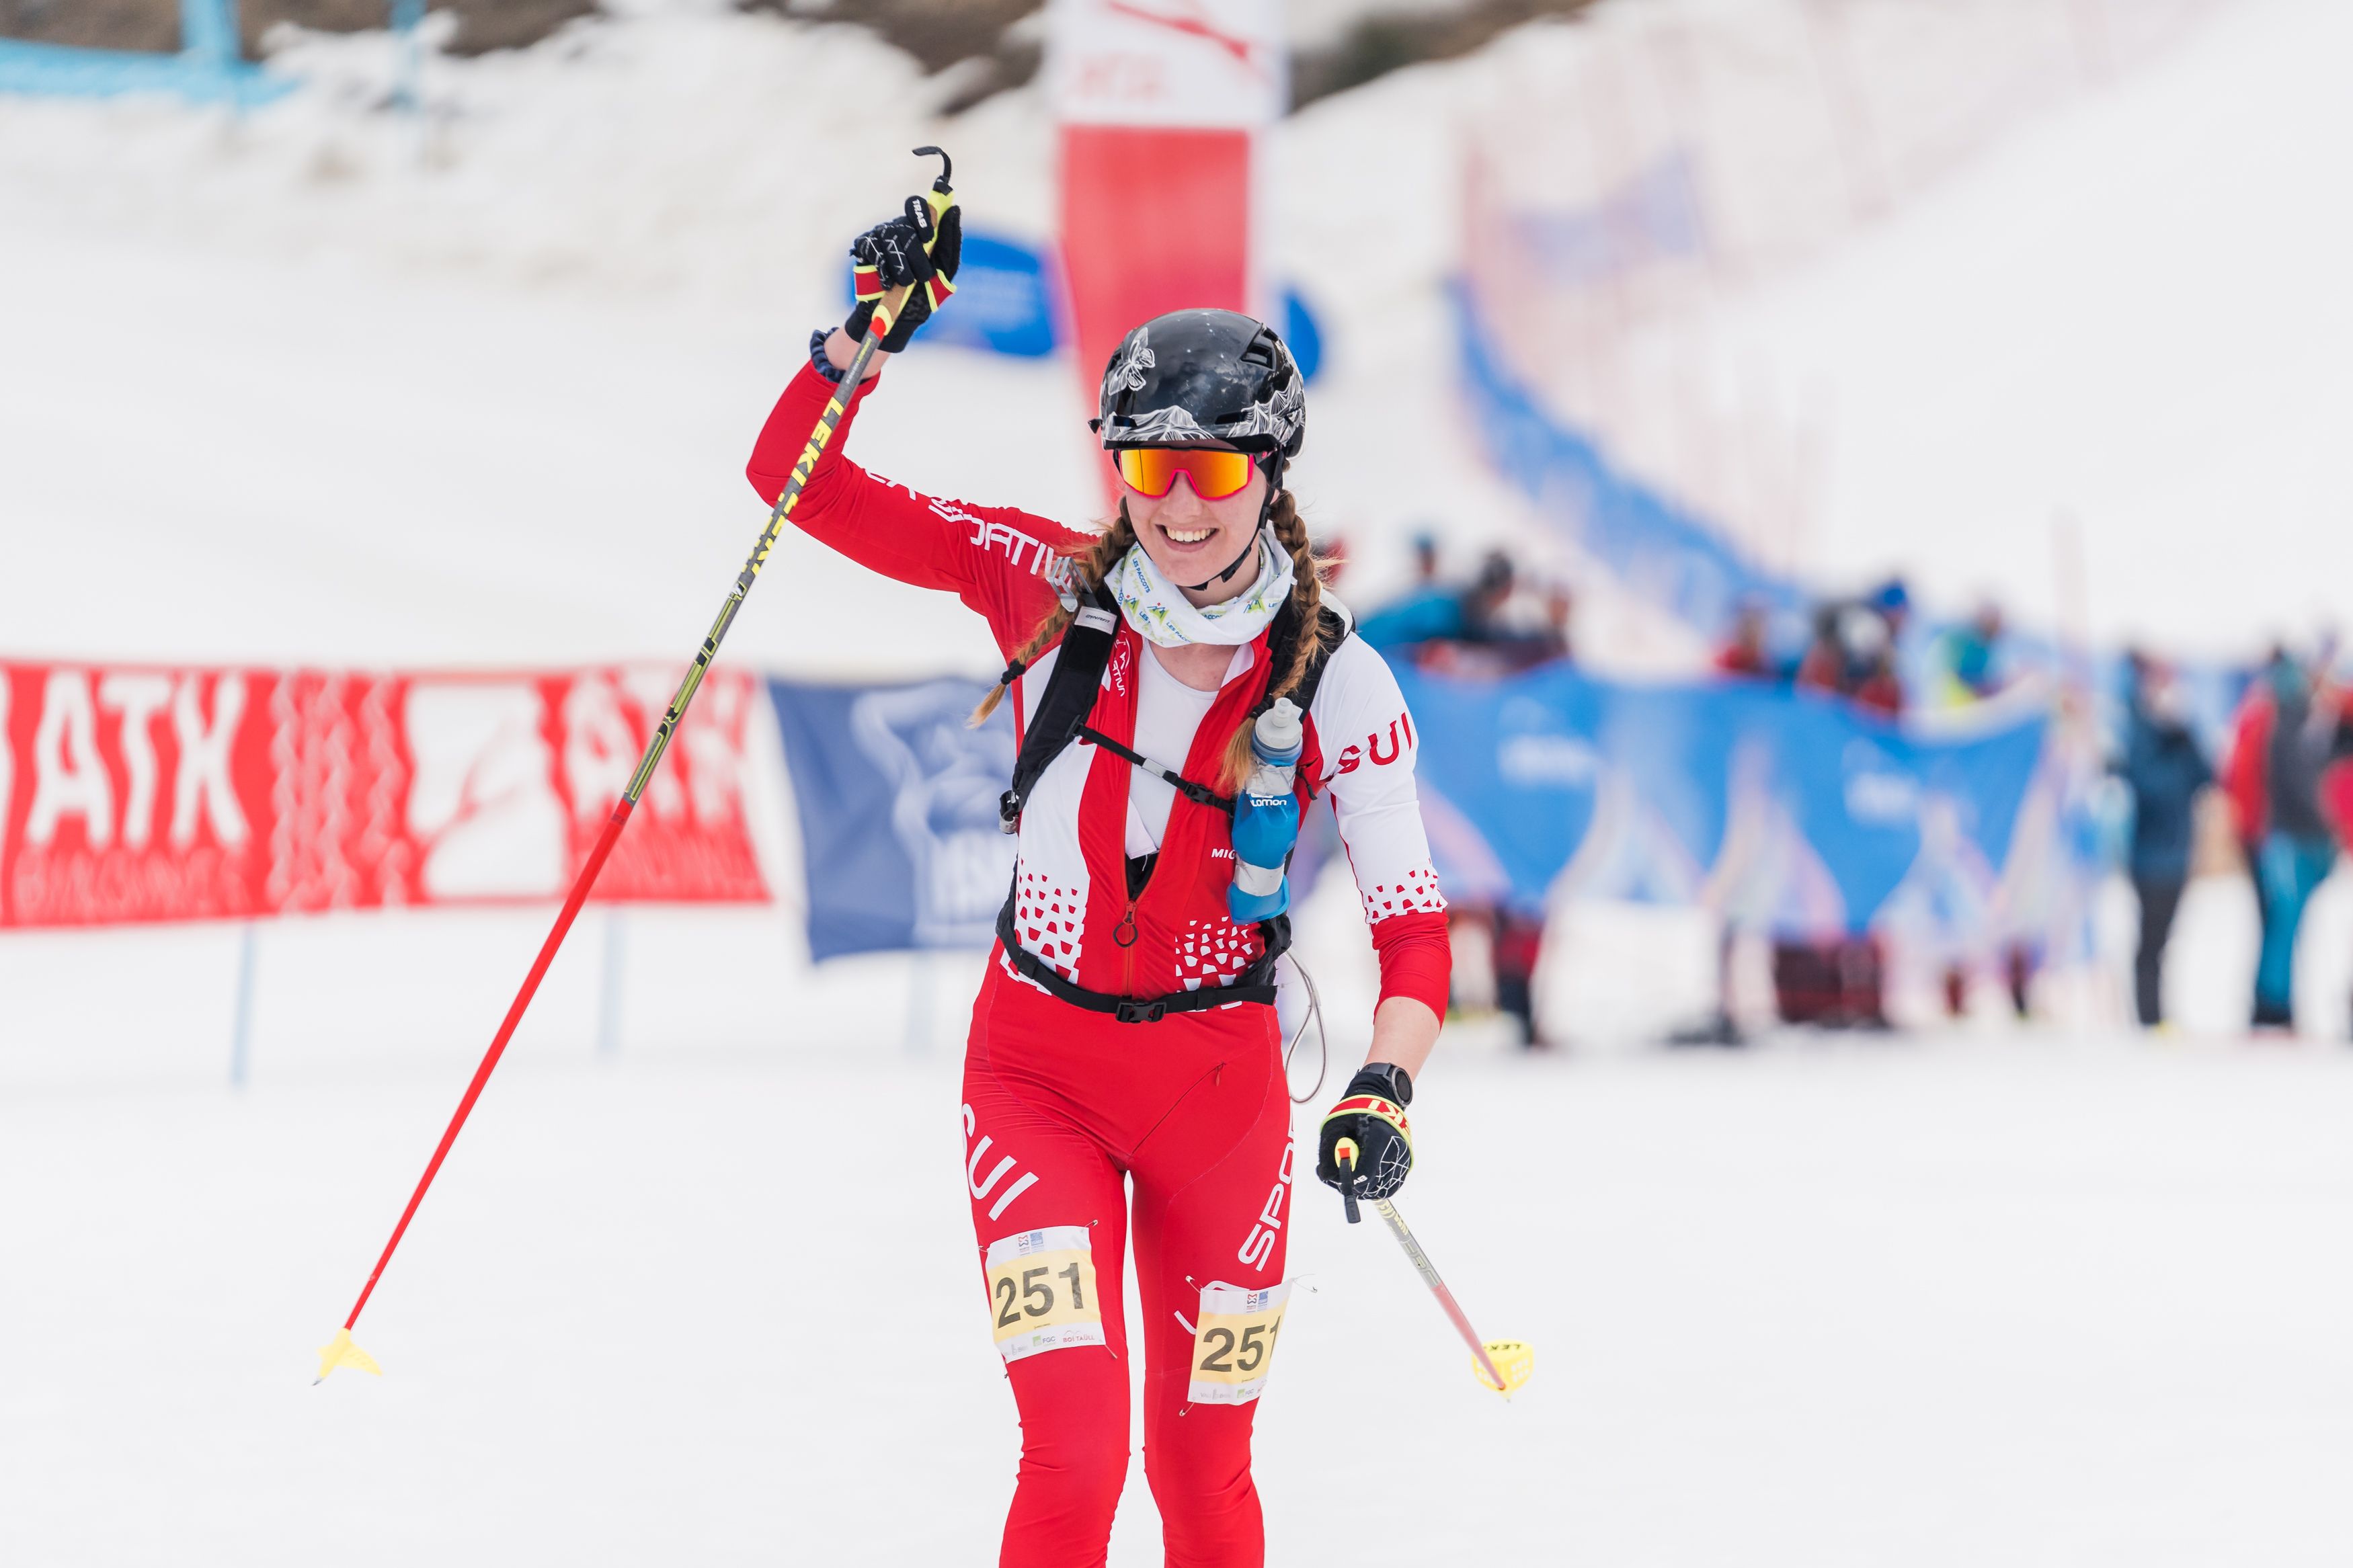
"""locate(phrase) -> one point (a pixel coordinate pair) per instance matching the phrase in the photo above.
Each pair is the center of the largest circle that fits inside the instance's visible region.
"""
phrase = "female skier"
(1126, 1031)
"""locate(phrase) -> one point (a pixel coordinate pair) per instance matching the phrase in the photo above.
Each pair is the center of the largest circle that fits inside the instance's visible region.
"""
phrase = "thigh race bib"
(1041, 1292)
(1234, 1343)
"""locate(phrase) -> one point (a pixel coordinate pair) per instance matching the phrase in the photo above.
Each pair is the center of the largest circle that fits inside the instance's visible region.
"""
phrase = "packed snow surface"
(2038, 1302)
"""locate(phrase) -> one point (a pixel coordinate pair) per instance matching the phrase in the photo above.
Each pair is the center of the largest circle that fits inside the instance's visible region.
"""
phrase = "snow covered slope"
(2133, 314)
(359, 381)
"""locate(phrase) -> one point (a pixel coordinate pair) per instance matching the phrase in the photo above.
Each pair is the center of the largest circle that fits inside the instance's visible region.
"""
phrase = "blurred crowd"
(2278, 777)
(1498, 622)
(1853, 651)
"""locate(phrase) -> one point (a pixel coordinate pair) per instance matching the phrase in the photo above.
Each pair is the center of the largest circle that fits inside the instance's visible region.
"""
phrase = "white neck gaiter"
(1161, 614)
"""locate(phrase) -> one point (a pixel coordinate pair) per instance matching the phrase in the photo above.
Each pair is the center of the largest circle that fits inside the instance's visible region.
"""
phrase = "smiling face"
(1191, 540)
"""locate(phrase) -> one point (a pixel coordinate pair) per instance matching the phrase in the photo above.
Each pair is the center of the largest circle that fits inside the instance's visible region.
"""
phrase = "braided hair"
(1091, 564)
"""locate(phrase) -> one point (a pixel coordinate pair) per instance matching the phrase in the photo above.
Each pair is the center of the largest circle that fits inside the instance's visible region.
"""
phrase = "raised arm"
(1001, 562)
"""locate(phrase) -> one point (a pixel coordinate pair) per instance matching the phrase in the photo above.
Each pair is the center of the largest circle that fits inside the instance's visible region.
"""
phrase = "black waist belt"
(1255, 984)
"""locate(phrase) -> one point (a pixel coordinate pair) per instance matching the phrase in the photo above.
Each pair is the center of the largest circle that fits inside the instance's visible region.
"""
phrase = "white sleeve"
(1369, 745)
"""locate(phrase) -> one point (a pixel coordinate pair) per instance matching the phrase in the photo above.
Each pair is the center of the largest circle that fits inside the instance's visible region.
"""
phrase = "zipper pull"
(1125, 933)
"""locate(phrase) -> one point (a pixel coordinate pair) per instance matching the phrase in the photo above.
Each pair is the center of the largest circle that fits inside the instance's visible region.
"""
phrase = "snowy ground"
(278, 392)
(2045, 1300)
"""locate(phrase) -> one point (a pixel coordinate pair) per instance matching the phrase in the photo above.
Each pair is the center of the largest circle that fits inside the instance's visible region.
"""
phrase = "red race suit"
(1064, 1108)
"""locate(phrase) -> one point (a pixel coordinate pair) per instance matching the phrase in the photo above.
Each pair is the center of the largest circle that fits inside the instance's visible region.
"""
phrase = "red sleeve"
(2244, 774)
(1417, 960)
(1000, 561)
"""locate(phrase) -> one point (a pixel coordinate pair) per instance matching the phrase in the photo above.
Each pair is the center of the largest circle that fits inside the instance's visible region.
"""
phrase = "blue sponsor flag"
(897, 802)
(1785, 810)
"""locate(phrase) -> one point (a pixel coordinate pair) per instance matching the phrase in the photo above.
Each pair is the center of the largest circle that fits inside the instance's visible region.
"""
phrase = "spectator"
(1482, 605)
(1470, 632)
(2165, 770)
(2244, 786)
(1425, 561)
(1853, 652)
(1427, 611)
(1745, 653)
(1892, 602)
(1842, 983)
(1969, 655)
(1490, 640)
(2279, 755)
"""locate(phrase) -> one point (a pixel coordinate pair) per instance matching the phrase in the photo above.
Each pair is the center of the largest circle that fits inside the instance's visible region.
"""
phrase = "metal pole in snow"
(919, 1004)
(240, 1043)
(609, 1002)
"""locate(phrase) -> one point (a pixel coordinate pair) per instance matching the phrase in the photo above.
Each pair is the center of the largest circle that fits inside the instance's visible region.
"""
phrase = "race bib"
(1041, 1292)
(1233, 1345)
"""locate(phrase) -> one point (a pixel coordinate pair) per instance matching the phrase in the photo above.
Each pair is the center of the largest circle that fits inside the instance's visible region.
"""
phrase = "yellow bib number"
(1233, 1345)
(1041, 1292)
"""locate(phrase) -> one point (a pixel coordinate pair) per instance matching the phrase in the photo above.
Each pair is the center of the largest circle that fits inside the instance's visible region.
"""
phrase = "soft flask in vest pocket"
(1266, 818)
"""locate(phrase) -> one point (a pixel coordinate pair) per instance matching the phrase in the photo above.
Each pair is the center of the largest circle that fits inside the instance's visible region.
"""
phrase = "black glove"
(1371, 1116)
(891, 254)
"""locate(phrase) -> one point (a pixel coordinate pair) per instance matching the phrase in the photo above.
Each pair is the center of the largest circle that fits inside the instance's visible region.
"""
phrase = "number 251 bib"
(1041, 1292)
(1233, 1344)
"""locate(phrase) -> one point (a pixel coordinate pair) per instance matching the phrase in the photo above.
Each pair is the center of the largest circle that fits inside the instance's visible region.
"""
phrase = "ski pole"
(1516, 1354)
(340, 1350)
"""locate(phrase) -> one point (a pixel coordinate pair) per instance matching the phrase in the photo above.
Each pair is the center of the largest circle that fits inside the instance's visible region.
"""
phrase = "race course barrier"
(133, 793)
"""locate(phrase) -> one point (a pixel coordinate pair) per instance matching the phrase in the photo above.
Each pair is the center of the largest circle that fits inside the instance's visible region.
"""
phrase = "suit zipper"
(1125, 935)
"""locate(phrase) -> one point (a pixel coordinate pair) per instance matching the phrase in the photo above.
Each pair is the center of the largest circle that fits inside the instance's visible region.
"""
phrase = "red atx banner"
(139, 793)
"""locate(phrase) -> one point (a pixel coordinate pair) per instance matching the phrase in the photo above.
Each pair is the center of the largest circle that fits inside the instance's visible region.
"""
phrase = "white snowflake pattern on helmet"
(1217, 375)
(1127, 373)
(1174, 423)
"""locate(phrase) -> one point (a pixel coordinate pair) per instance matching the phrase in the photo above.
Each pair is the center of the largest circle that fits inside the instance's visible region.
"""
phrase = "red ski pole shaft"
(564, 919)
(820, 438)
(1428, 1272)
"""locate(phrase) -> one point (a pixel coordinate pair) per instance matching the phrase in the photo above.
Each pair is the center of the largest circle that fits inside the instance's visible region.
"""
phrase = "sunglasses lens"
(1214, 475)
(1145, 469)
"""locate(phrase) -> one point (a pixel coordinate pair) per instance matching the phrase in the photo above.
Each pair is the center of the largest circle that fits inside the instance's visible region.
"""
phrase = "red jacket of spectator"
(2247, 772)
(1738, 659)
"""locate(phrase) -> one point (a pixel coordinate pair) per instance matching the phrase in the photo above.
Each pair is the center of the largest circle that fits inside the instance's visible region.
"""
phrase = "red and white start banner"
(135, 793)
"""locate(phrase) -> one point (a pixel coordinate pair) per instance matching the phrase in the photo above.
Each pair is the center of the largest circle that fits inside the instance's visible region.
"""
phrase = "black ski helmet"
(1203, 375)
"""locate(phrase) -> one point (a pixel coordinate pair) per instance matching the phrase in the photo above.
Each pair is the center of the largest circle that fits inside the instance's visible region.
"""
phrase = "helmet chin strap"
(1265, 510)
(1227, 575)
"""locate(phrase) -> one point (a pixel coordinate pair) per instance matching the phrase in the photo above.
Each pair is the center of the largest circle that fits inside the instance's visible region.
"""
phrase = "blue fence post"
(406, 15)
(208, 31)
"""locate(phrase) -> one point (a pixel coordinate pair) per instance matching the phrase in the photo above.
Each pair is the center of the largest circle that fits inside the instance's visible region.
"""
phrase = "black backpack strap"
(1335, 626)
(1199, 794)
(1061, 718)
(1069, 697)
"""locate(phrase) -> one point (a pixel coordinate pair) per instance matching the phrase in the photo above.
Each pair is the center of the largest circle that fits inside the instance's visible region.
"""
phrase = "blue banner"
(1009, 301)
(897, 802)
(1783, 809)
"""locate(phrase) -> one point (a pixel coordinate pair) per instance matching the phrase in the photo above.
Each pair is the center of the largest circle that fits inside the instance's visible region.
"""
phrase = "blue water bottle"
(1266, 818)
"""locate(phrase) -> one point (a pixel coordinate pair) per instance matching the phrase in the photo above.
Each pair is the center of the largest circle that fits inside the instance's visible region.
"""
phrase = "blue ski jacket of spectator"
(2165, 770)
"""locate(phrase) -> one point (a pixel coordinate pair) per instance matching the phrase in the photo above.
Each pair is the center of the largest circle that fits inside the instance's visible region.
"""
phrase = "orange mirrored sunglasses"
(1213, 474)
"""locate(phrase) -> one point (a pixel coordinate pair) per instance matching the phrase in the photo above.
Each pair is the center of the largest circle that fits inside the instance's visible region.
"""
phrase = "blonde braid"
(1307, 599)
(1090, 565)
